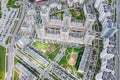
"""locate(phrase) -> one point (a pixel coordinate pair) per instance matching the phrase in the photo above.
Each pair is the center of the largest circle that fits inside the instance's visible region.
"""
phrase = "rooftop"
(27, 74)
(108, 76)
(90, 11)
(112, 50)
(84, 59)
(110, 64)
(62, 73)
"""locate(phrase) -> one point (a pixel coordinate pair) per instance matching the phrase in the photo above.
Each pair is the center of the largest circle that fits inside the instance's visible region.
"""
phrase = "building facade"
(67, 31)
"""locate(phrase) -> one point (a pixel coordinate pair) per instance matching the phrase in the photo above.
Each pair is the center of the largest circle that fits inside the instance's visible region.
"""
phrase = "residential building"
(26, 28)
(108, 52)
(108, 30)
(106, 18)
(104, 75)
(108, 64)
(22, 41)
(67, 31)
(109, 42)
(104, 11)
(97, 3)
(84, 60)
(26, 74)
(90, 16)
(89, 37)
(37, 55)
(107, 21)
(72, 2)
(62, 74)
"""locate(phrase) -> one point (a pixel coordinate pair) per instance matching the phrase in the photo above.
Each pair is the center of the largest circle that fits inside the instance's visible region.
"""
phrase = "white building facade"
(53, 29)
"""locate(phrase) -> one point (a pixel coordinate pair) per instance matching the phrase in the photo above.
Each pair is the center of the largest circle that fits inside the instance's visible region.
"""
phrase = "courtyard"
(71, 59)
(48, 49)
(77, 14)
(11, 3)
(58, 14)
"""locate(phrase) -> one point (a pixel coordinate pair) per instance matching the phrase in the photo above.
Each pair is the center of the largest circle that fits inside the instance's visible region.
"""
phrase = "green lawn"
(45, 46)
(11, 3)
(58, 14)
(2, 62)
(54, 76)
(77, 14)
(80, 75)
(0, 14)
(14, 27)
(8, 40)
(6, 63)
(109, 1)
(40, 46)
(46, 79)
(63, 3)
(0, 10)
(0, 5)
(53, 54)
(64, 61)
(69, 49)
(16, 60)
(16, 74)
(81, 50)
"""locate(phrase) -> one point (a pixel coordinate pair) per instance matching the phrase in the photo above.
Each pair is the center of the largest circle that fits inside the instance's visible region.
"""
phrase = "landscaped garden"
(54, 76)
(2, 62)
(109, 1)
(70, 61)
(16, 74)
(77, 14)
(58, 14)
(48, 49)
(11, 3)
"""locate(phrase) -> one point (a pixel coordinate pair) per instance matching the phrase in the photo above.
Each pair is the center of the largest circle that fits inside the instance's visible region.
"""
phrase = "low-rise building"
(108, 30)
(107, 65)
(72, 2)
(90, 16)
(26, 74)
(104, 75)
(62, 74)
(36, 55)
(108, 52)
(23, 41)
(109, 42)
(97, 3)
(84, 60)
(104, 11)
(107, 20)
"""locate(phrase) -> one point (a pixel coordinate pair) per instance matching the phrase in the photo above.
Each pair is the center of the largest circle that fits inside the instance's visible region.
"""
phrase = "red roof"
(39, 0)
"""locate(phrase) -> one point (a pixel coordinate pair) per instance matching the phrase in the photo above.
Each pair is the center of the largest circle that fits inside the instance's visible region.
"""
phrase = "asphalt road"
(11, 46)
(118, 40)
